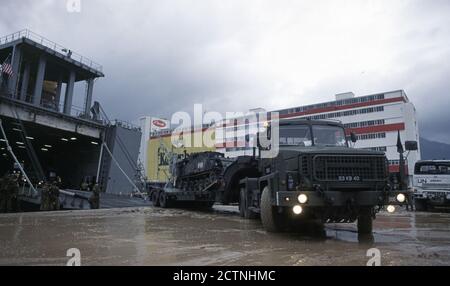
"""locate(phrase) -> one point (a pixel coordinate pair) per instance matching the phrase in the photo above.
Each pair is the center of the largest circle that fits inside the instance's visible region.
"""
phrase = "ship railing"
(51, 45)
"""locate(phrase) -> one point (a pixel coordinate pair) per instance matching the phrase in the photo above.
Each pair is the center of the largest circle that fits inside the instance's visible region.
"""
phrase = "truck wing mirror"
(353, 137)
(411, 146)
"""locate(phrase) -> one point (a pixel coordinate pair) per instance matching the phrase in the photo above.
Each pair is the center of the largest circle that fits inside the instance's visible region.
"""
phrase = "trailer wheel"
(243, 207)
(207, 205)
(420, 205)
(365, 221)
(270, 218)
(155, 198)
(164, 201)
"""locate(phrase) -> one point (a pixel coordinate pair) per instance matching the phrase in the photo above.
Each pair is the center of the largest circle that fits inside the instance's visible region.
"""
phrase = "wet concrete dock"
(151, 236)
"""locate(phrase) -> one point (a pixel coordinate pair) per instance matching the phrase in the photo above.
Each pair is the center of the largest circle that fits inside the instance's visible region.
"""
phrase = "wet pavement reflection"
(150, 236)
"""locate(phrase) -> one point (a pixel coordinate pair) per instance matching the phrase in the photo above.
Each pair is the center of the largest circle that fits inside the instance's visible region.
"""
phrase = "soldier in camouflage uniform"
(50, 197)
(45, 198)
(14, 192)
(50, 193)
(54, 197)
(2, 197)
(9, 194)
(94, 200)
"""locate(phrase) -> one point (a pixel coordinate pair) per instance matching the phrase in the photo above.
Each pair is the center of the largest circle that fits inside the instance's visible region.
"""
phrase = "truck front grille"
(349, 168)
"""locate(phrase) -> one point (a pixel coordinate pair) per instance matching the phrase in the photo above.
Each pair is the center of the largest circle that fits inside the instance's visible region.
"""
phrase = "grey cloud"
(163, 56)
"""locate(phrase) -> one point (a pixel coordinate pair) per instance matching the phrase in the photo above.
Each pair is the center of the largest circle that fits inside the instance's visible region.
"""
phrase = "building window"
(381, 149)
(333, 103)
(346, 113)
(371, 136)
(364, 123)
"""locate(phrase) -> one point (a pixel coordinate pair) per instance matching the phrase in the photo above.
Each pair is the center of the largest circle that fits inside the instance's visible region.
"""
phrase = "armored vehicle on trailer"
(200, 170)
(196, 179)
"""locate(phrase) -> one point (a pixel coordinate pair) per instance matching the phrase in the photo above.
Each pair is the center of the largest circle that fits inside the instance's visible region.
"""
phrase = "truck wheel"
(270, 218)
(420, 205)
(163, 200)
(365, 221)
(207, 205)
(242, 204)
(155, 198)
(243, 207)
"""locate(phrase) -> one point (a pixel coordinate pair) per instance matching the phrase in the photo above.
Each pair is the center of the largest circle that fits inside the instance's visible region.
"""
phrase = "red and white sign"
(159, 124)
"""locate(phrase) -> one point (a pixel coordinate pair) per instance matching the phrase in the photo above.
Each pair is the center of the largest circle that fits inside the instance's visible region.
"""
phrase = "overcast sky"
(163, 56)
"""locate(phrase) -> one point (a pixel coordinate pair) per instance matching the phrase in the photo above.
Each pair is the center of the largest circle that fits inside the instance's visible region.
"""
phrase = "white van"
(431, 182)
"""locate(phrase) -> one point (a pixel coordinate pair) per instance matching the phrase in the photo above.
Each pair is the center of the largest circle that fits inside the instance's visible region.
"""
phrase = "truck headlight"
(391, 209)
(297, 210)
(302, 198)
(401, 198)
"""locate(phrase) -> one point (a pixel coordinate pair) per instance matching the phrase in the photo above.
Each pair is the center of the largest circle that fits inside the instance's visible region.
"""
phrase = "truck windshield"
(327, 135)
(432, 168)
(297, 135)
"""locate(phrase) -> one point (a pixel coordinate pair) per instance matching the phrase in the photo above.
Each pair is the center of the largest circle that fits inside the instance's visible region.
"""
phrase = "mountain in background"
(434, 150)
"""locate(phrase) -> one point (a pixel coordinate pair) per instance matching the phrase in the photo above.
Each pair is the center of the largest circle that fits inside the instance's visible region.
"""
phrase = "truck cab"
(431, 183)
(318, 176)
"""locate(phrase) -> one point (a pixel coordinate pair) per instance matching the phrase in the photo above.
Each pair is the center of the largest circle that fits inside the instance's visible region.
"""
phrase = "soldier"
(94, 200)
(54, 197)
(10, 192)
(45, 198)
(2, 196)
(15, 203)
(50, 197)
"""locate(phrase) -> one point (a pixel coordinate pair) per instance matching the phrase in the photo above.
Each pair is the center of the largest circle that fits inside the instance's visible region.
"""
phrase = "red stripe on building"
(343, 107)
(396, 169)
(377, 129)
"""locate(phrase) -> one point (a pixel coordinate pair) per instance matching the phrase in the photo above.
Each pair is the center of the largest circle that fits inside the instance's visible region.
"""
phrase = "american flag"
(6, 67)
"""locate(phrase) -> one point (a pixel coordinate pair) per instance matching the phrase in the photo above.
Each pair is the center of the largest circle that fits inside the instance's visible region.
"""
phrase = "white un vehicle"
(432, 184)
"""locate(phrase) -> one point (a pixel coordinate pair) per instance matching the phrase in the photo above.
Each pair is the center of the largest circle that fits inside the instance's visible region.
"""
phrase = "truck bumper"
(340, 198)
(434, 197)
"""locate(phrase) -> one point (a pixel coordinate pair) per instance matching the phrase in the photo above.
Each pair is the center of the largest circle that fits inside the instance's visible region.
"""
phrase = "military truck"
(316, 175)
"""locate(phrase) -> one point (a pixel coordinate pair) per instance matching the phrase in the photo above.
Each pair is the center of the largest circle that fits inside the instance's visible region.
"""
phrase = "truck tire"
(206, 205)
(155, 198)
(270, 218)
(365, 221)
(420, 205)
(164, 201)
(243, 207)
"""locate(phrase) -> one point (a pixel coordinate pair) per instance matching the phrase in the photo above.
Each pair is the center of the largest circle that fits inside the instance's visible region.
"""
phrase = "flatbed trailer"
(169, 196)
